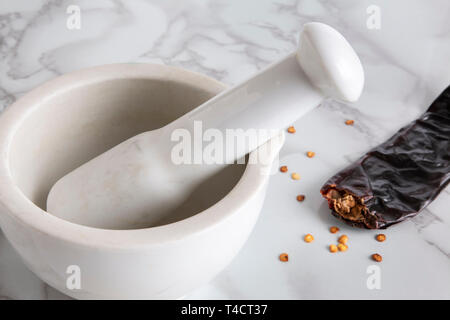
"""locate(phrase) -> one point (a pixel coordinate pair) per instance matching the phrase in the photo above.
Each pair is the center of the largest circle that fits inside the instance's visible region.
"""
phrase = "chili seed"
(333, 248)
(376, 257)
(343, 239)
(295, 176)
(309, 238)
(334, 229)
(284, 257)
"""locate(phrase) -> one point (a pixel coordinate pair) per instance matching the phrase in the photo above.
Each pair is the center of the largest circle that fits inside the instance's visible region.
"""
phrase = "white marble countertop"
(407, 65)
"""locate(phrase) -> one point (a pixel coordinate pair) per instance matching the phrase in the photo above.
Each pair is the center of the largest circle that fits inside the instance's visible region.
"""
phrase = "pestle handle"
(324, 65)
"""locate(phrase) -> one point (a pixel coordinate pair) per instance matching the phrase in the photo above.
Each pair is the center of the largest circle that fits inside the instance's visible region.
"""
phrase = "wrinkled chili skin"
(401, 176)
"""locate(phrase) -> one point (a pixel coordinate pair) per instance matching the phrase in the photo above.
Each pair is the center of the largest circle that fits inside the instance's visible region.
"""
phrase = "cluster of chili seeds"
(342, 245)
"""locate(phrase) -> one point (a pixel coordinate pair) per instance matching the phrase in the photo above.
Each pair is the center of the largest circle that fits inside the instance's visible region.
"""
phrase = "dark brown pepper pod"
(398, 178)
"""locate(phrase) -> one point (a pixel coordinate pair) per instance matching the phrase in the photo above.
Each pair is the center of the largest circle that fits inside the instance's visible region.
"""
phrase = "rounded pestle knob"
(330, 62)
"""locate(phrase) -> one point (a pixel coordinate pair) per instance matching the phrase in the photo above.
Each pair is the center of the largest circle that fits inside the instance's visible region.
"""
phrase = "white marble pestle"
(137, 183)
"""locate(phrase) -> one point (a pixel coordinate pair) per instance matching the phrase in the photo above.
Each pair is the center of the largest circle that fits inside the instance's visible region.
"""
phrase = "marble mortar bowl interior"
(73, 118)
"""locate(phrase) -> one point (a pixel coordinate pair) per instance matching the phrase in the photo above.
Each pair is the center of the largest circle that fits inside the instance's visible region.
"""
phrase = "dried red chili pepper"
(398, 178)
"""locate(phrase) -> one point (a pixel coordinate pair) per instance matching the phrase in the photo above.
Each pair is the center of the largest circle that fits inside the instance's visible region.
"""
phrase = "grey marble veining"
(407, 66)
